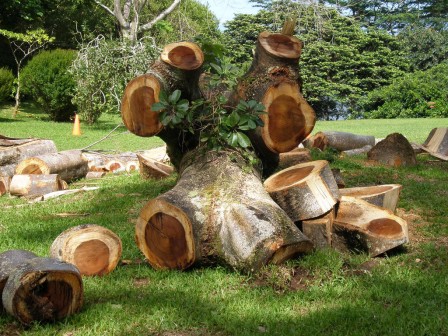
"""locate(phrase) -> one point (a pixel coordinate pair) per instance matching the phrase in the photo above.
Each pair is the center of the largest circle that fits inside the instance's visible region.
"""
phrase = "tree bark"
(385, 196)
(363, 227)
(304, 191)
(319, 229)
(44, 290)
(93, 249)
(394, 151)
(341, 141)
(217, 212)
(69, 165)
(34, 185)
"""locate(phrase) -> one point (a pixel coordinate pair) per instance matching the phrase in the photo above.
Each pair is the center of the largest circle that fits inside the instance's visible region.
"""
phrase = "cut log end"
(140, 94)
(289, 119)
(164, 235)
(183, 55)
(281, 45)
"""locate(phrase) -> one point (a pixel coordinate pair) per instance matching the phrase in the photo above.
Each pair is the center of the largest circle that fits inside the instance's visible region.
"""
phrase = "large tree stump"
(35, 185)
(304, 191)
(44, 290)
(363, 227)
(93, 249)
(394, 151)
(385, 196)
(217, 212)
(69, 165)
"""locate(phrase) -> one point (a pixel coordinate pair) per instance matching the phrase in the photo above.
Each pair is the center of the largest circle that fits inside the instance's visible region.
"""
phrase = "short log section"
(363, 227)
(93, 249)
(319, 230)
(150, 168)
(304, 191)
(35, 185)
(385, 196)
(70, 165)
(43, 290)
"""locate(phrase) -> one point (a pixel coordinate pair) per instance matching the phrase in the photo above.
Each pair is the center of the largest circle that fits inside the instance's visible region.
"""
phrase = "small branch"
(105, 7)
(102, 139)
(161, 16)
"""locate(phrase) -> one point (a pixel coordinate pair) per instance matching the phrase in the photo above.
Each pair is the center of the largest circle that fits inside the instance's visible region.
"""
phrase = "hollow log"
(150, 168)
(217, 212)
(69, 165)
(93, 249)
(304, 191)
(436, 143)
(34, 185)
(13, 151)
(394, 151)
(9, 260)
(363, 227)
(294, 157)
(44, 290)
(319, 229)
(385, 196)
(5, 181)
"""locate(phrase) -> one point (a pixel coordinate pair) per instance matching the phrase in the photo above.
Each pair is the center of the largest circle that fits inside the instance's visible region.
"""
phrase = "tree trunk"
(150, 168)
(342, 141)
(217, 212)
(385, 196)
(70, 165)
(44, 290)
(304, 191)
(13, 150)
(93, 249)
(9, 260)
(363, 227)
(34, 185)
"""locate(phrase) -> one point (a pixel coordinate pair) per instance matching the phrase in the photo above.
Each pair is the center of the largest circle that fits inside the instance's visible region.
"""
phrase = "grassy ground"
(323, 293)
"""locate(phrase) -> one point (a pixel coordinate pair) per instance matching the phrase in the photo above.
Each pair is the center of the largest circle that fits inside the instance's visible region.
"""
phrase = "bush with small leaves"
(6, 84)
(47, 80)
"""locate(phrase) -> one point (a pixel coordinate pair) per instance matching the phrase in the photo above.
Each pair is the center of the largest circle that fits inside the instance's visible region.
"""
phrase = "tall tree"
(128, 16)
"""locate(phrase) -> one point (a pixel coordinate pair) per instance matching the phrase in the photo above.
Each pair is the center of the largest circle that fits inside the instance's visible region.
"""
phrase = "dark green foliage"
(6, 84)
(47, 80)
(420, 94)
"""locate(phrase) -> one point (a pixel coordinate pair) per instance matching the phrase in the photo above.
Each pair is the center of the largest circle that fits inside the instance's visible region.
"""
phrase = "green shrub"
(102, 70)
(6, 84)
(47, 80)
(417, 95)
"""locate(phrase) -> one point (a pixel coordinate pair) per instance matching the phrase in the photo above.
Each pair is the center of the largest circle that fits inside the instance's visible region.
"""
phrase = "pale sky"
(226, 9)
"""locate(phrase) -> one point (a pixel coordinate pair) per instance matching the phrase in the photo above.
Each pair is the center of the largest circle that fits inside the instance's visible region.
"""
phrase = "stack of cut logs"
(220, 211)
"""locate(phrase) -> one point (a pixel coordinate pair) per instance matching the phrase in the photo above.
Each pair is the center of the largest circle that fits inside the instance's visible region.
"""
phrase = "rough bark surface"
(319, 229)
(44, 290)
(341, 141)
(69, 165)
(394, 151)
(93, 249)
(217, 212)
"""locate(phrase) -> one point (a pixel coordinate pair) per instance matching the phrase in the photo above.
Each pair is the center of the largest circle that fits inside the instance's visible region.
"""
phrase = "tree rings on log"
(363, 227)
(44, 290)
(289, 119)
(9, 260)
(183, 55)
(138, 97)
(304, 191)
(35, 185)
(385, 196)
(93, 249)
(69, 165)
(437, 143)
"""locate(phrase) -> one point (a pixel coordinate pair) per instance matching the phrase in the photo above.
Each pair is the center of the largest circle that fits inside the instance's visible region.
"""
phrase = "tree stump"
(43, 290)
(385, 196)
(363, 227)
(93, 249)
(35, 185)
(304, 191)
(394, 151)
(70, 165)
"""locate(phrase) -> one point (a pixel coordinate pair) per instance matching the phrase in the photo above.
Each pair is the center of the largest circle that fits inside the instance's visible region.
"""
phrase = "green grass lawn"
(324, 293)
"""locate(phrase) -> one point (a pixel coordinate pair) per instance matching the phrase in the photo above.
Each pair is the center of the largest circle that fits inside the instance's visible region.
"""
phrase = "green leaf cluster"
(6, 84)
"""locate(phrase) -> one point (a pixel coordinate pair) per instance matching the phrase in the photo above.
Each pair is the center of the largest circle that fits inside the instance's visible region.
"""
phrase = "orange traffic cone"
(76, 126)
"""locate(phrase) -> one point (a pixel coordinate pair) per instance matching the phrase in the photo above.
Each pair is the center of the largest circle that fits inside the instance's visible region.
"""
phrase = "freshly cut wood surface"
(150, 168)
(43, 290)
(183, 55)
(437, 143)
(93, 249)
(319, 229)
(9, 260)
(386, 195)
(363, 227)
(218, 212)
(304, 191)
(69, 165)
(34, 185)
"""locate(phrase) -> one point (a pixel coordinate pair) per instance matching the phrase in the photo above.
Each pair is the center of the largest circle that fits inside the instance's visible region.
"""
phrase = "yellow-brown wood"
(386, 195)
(34, 185)
(183, 55)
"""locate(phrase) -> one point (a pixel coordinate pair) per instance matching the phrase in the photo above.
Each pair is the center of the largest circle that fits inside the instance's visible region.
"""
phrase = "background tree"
(22, 47)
